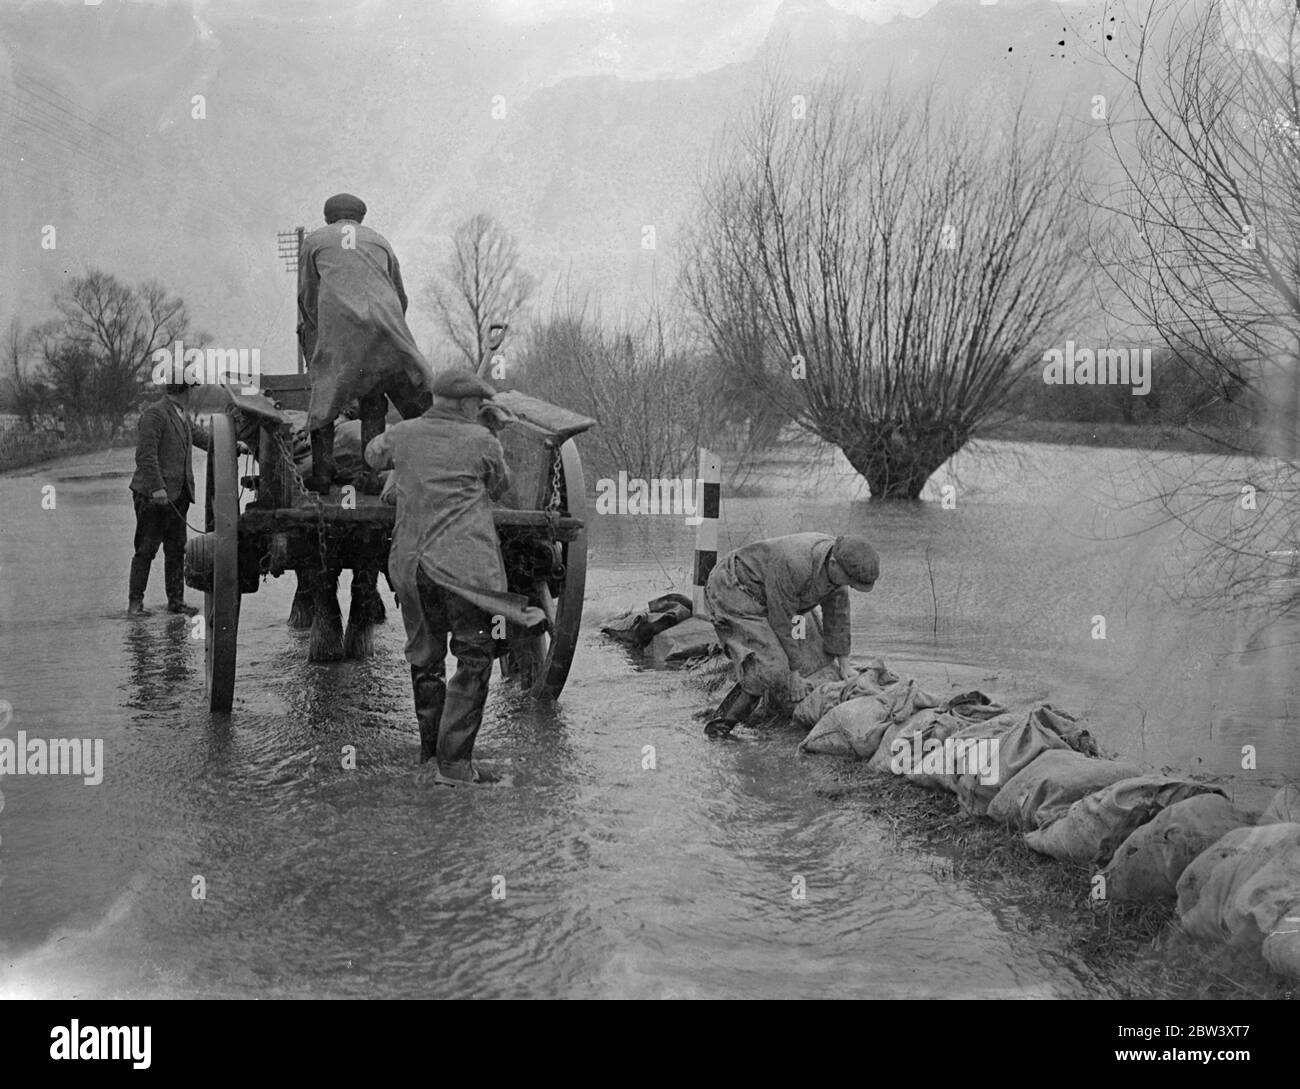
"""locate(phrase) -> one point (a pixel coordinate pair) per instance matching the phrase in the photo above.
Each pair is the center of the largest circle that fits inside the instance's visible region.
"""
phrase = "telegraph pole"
(290, 243)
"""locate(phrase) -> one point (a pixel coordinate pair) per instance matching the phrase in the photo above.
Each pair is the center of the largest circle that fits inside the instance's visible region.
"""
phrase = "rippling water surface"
(618, 880)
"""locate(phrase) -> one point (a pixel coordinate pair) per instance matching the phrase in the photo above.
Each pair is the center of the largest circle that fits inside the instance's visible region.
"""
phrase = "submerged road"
(589, 873)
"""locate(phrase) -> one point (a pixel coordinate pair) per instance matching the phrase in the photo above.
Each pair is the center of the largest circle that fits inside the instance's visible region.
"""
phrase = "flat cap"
(456, 382)
(858, 559)
(344, 206)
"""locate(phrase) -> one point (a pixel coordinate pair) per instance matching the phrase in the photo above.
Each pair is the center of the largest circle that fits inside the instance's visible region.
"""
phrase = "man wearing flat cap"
(352, 327)
(445, 563)
(754, 595)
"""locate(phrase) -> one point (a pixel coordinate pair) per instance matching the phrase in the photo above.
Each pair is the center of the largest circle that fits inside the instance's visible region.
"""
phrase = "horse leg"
(326, 643)
(359, 639)
(376, 613)
(303, 610)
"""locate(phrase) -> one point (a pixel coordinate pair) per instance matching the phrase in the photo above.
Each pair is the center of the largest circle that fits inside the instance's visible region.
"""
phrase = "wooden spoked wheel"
(541, 662)
(221, 602)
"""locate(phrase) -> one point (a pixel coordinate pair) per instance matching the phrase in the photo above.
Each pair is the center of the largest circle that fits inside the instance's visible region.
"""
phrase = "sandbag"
(898, 703)
(1244, 888)
(916, 748)
(1095, 826)
(901, 703)
(623, 626)
(875, 678)
(667, 601)
(1284, 808)
(1282, 947)
(881, 758)
(1066, 727)
(957, 713)
(639, 627)
(348, 462)
(1149, 863)
(1015, 740)
(972, 706)
(1042, 791)
(853, 728)
(901, 750)
(904, 698)
(692, 638)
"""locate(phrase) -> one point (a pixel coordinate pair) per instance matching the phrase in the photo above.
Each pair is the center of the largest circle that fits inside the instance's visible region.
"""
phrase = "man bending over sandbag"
(754, 595)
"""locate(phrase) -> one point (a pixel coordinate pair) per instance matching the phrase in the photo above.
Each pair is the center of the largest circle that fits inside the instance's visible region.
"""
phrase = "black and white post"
(706, 533)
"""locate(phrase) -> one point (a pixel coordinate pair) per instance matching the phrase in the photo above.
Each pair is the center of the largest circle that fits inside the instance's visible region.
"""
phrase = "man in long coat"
(352, 327)
(445, 563)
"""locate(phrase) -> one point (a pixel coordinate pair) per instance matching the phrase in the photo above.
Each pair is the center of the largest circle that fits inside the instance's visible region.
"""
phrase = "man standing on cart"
(446, 566)
(352, 328)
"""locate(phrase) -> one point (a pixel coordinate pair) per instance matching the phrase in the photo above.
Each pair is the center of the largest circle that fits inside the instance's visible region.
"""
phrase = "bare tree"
(23, 391)
(636, 377)
(883, 270)
(98, 352)
(482, 285)
(1205, 246)
(71, 370)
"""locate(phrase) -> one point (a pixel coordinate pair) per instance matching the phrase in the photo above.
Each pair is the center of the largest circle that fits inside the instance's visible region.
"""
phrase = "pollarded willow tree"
(1204, 243)
(885, 266)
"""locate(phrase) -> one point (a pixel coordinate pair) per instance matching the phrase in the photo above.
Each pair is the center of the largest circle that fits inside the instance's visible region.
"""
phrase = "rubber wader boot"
(322, 459)
(734, 709)
(374, 406)
(430, 687)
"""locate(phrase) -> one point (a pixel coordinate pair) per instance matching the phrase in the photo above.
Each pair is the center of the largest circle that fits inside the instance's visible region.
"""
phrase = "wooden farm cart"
(287, 528)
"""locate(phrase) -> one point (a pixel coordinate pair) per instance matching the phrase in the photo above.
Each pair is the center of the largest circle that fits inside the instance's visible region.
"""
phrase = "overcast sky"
(638, 39)
(390, 98)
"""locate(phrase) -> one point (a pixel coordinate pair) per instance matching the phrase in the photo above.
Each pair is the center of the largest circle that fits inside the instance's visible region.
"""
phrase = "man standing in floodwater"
(446, 564)
(754, 595)
(162, 490)
(352, 328)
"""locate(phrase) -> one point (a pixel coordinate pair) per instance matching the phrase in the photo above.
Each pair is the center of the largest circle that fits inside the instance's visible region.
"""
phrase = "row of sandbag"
(1153, 837)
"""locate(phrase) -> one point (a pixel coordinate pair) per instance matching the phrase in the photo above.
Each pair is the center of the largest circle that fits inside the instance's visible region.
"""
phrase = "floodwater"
(588, 874)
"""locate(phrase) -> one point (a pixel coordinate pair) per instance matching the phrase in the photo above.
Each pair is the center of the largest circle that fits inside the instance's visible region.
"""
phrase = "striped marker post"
(706, 533)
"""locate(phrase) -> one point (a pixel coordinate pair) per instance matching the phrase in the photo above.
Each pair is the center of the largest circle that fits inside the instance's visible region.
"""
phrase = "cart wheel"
(221, 603)
(542, 662)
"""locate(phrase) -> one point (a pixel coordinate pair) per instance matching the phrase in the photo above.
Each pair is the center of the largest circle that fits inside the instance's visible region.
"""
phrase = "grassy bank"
(1135, 949)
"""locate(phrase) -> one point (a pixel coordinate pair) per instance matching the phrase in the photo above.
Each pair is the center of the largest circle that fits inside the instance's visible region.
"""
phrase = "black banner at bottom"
(141, 1039)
